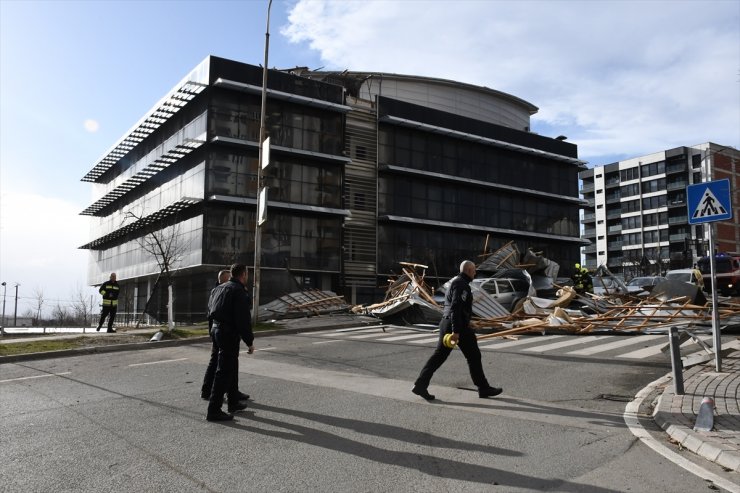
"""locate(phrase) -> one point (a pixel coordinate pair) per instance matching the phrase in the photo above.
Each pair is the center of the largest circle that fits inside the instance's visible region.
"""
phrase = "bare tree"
(38, 295)
(163, 245)
(61, 314)
(82, 306)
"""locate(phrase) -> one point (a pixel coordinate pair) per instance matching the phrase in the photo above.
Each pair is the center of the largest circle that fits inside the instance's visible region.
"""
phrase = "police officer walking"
(233, 394)
(229, 309)
(458, 311)
(109, 291)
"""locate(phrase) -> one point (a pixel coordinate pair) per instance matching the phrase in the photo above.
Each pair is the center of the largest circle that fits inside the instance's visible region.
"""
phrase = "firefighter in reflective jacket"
(582, 280)
(109, 291)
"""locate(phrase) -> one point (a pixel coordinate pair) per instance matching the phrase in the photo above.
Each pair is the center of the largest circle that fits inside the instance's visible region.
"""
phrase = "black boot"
(422, 392)
(489, 392)
(218, 415)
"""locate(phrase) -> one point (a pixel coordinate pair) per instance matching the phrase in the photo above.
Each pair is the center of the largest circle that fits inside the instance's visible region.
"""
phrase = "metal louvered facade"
(360, 195)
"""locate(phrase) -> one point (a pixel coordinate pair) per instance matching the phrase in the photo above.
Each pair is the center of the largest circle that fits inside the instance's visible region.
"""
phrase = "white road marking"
(404, 337)
(328, 342)
(425, 341)
(653, 350)
(35, 376)
(561, 344)
(623, 341)
(526, 340)
(158, 362)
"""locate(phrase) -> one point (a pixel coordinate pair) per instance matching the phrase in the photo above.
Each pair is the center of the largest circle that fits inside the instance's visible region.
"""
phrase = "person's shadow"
(431, 465)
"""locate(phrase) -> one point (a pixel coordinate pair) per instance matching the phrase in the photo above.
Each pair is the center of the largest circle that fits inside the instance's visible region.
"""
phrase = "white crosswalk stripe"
(498, 344)
(648, 345)
(561, 344)
(621, 342)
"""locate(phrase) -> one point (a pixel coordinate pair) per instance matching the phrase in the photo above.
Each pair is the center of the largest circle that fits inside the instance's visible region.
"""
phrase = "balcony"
(676, 185)
(614, 214)
(589, 218)
(614, 245)
(677, 237)
(677, 202)
(613, 198)
(614, 229)
(590, 249)
(676, 168)
(614, 261)
(587, 187)
(589, 232)
(612, 182)
(678, 220)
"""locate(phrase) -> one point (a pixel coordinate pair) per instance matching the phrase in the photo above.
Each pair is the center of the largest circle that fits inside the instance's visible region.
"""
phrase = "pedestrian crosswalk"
(624, 347)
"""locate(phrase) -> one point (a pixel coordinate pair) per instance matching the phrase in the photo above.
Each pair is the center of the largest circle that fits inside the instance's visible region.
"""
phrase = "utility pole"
(257, 226)
(2, 325)
(15, 312)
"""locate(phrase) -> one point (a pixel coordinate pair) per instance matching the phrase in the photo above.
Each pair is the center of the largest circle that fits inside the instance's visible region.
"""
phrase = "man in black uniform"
(456, 320)
(229, 308)
(233, 394)
(109, 291)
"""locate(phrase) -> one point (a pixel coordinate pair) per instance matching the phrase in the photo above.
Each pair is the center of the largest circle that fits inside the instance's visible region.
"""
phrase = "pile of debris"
(583, 314)
(408, 299)
(303, 304)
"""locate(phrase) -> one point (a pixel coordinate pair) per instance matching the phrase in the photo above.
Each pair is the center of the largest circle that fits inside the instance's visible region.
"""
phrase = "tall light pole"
(2, 325)
(15, 312)
(257, 225)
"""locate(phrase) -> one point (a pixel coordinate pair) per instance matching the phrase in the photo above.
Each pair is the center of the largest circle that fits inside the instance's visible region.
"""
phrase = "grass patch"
(40, 346)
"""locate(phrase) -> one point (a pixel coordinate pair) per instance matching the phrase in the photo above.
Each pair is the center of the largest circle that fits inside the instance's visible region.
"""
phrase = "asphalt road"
(329, 414)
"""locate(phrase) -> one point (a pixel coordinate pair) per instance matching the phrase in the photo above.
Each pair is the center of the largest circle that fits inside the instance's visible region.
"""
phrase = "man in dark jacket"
(229, 308)
(456, 321)
(233, 393)
(109, 291)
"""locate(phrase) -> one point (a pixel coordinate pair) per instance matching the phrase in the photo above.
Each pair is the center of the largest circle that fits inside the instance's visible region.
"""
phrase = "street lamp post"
(2, 325)
(15, 312)
(260, 206)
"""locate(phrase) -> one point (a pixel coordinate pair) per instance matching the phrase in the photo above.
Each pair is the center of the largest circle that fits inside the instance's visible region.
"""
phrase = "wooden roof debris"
(303, 304)
(408, 298)
(615, 313)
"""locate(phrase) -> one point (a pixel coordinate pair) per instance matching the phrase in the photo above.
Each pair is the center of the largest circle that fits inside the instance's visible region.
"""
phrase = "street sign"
(265, 153)
(262, 207)
(709, 201)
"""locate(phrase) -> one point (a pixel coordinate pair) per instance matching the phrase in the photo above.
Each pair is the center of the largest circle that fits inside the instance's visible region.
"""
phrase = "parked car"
(637, 284)
(506, 291)
(685, 275)
(604, 285)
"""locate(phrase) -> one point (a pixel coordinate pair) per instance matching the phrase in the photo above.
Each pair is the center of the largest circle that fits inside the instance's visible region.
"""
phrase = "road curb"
(112, 348)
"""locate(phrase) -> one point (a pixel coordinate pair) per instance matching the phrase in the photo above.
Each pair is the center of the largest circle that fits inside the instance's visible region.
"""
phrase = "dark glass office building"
(368, 170)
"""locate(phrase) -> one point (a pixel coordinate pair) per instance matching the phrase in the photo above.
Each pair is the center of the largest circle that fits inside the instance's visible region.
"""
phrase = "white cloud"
(39, 237)
(91, 125)
(616, 77)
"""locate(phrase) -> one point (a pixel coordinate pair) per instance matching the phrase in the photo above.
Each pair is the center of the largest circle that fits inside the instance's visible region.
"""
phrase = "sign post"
(709, 202)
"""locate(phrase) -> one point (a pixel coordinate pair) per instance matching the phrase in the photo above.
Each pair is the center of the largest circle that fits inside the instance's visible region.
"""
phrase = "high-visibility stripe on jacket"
(109, 291)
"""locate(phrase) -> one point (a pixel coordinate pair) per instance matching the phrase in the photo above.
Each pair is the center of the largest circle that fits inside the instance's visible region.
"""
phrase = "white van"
(685, 275)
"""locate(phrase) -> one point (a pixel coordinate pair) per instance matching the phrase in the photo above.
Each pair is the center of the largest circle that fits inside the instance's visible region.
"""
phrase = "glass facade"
(206, 197)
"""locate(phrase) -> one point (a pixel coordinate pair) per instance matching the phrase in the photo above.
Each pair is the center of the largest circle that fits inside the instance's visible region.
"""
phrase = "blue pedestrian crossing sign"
(709, 201)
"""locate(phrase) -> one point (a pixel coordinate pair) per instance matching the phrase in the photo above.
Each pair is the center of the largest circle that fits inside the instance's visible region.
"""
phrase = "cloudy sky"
(619, 78)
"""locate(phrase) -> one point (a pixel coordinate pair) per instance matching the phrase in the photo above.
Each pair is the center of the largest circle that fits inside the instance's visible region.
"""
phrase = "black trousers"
(467, 343)
(211, 372)
(227, 365)
(110, 312)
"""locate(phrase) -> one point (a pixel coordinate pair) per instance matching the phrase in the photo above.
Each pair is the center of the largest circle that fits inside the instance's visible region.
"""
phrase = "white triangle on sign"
(708, 206)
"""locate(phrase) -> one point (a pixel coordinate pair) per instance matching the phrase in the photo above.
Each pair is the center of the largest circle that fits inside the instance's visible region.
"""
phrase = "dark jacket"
(459, 303)
(109, 290)
(229, 307)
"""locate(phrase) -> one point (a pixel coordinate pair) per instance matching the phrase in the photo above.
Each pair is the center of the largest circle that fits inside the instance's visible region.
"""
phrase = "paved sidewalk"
(676, 414)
